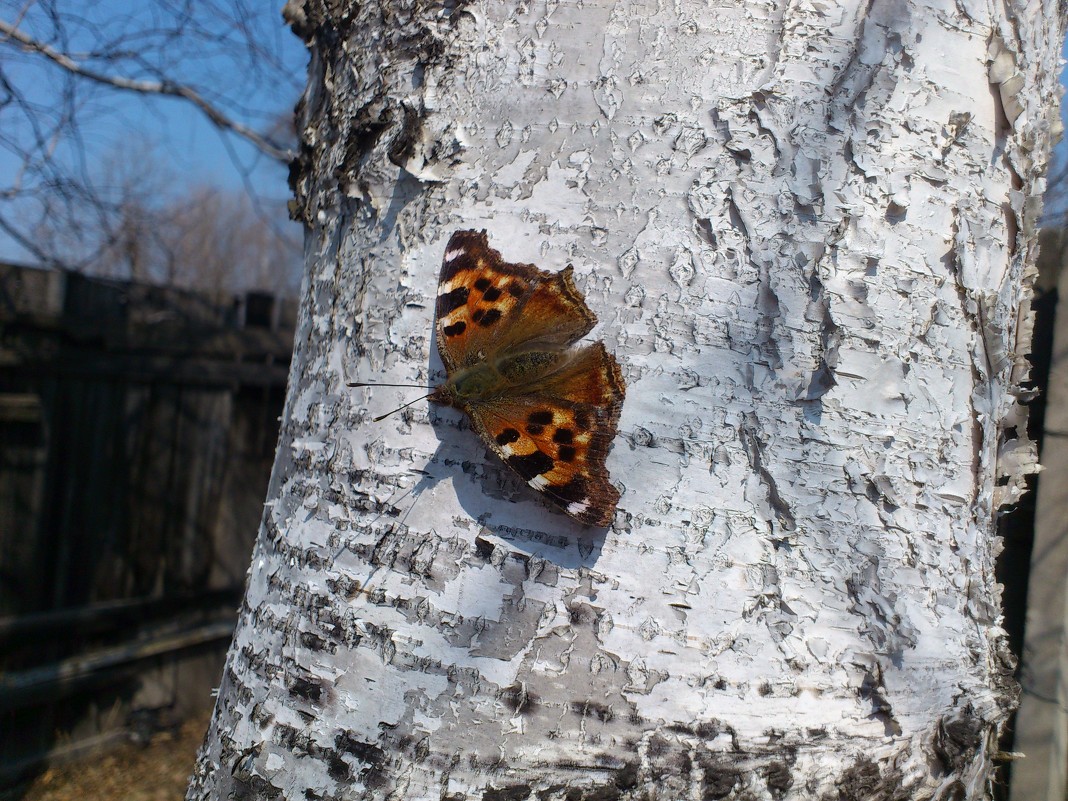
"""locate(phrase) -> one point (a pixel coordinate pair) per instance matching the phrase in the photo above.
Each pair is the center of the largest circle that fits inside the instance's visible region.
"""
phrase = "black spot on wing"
(451, 301)
(455, 329)
(575, 490)
(535, 430)
(530, 465)
(490, 317)
(542, 417)
(482, 284)
(492, 294)
(507, 437)
(516, 289)
(566, 453)
(563, 436)
(478, 314)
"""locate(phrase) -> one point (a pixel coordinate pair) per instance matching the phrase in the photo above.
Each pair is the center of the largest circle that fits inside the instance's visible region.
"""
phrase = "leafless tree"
(72, 75)
(111, 231)
(217, 240)
(205, 238)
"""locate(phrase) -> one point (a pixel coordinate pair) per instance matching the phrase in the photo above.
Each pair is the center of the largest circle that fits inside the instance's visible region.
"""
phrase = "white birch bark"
(808, 232)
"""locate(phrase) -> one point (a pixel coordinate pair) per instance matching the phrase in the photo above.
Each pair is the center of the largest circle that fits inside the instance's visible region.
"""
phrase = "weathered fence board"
(137, 429)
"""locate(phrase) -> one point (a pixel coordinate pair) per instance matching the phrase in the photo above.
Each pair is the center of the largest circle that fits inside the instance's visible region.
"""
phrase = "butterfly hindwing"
(557, 439)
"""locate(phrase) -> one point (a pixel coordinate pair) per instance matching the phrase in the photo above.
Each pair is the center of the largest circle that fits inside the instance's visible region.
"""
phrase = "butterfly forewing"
(486, 305)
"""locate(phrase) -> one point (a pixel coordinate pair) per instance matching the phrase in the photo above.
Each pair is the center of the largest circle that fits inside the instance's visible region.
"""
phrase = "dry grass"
(158, 771)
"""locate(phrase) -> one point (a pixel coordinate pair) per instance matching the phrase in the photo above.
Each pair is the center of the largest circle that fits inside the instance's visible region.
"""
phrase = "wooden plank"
(147, 369)
(20, 407)
(53, 681)
(77, 621)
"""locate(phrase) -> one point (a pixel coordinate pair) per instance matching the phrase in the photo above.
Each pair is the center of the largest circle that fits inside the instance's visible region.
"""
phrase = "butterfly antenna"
(405, 406)
(362, 384)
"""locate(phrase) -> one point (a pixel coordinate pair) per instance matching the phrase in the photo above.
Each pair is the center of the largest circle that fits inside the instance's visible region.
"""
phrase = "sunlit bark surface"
(808, 233)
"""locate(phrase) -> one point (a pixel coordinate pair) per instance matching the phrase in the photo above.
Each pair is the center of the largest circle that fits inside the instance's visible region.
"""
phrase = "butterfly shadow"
(508, 512)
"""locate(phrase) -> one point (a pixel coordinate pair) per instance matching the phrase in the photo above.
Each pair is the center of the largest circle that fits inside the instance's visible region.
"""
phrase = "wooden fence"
(137, 432)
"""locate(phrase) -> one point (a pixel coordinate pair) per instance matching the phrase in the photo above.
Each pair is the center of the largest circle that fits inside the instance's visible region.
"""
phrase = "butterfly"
(548, 410)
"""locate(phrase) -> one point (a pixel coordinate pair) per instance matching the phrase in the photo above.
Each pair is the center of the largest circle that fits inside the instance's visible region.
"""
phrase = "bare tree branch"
(165, 87)
(87, 195)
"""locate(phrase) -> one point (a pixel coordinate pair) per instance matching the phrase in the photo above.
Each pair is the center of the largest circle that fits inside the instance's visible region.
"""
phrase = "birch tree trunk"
(808, 231)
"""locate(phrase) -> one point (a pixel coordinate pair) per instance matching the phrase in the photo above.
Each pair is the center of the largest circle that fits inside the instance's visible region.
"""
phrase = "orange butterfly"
(548, 410)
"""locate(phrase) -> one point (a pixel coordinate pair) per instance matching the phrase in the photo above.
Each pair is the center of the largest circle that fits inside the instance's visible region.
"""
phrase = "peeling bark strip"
(808, 233)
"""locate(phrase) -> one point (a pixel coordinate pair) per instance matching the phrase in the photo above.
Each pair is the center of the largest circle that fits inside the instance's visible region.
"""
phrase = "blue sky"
(211, 52)
(1056, 206)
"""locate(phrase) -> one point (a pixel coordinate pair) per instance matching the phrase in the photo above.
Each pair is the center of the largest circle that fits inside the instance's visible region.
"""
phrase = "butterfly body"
(485, 382)
(549, 410)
